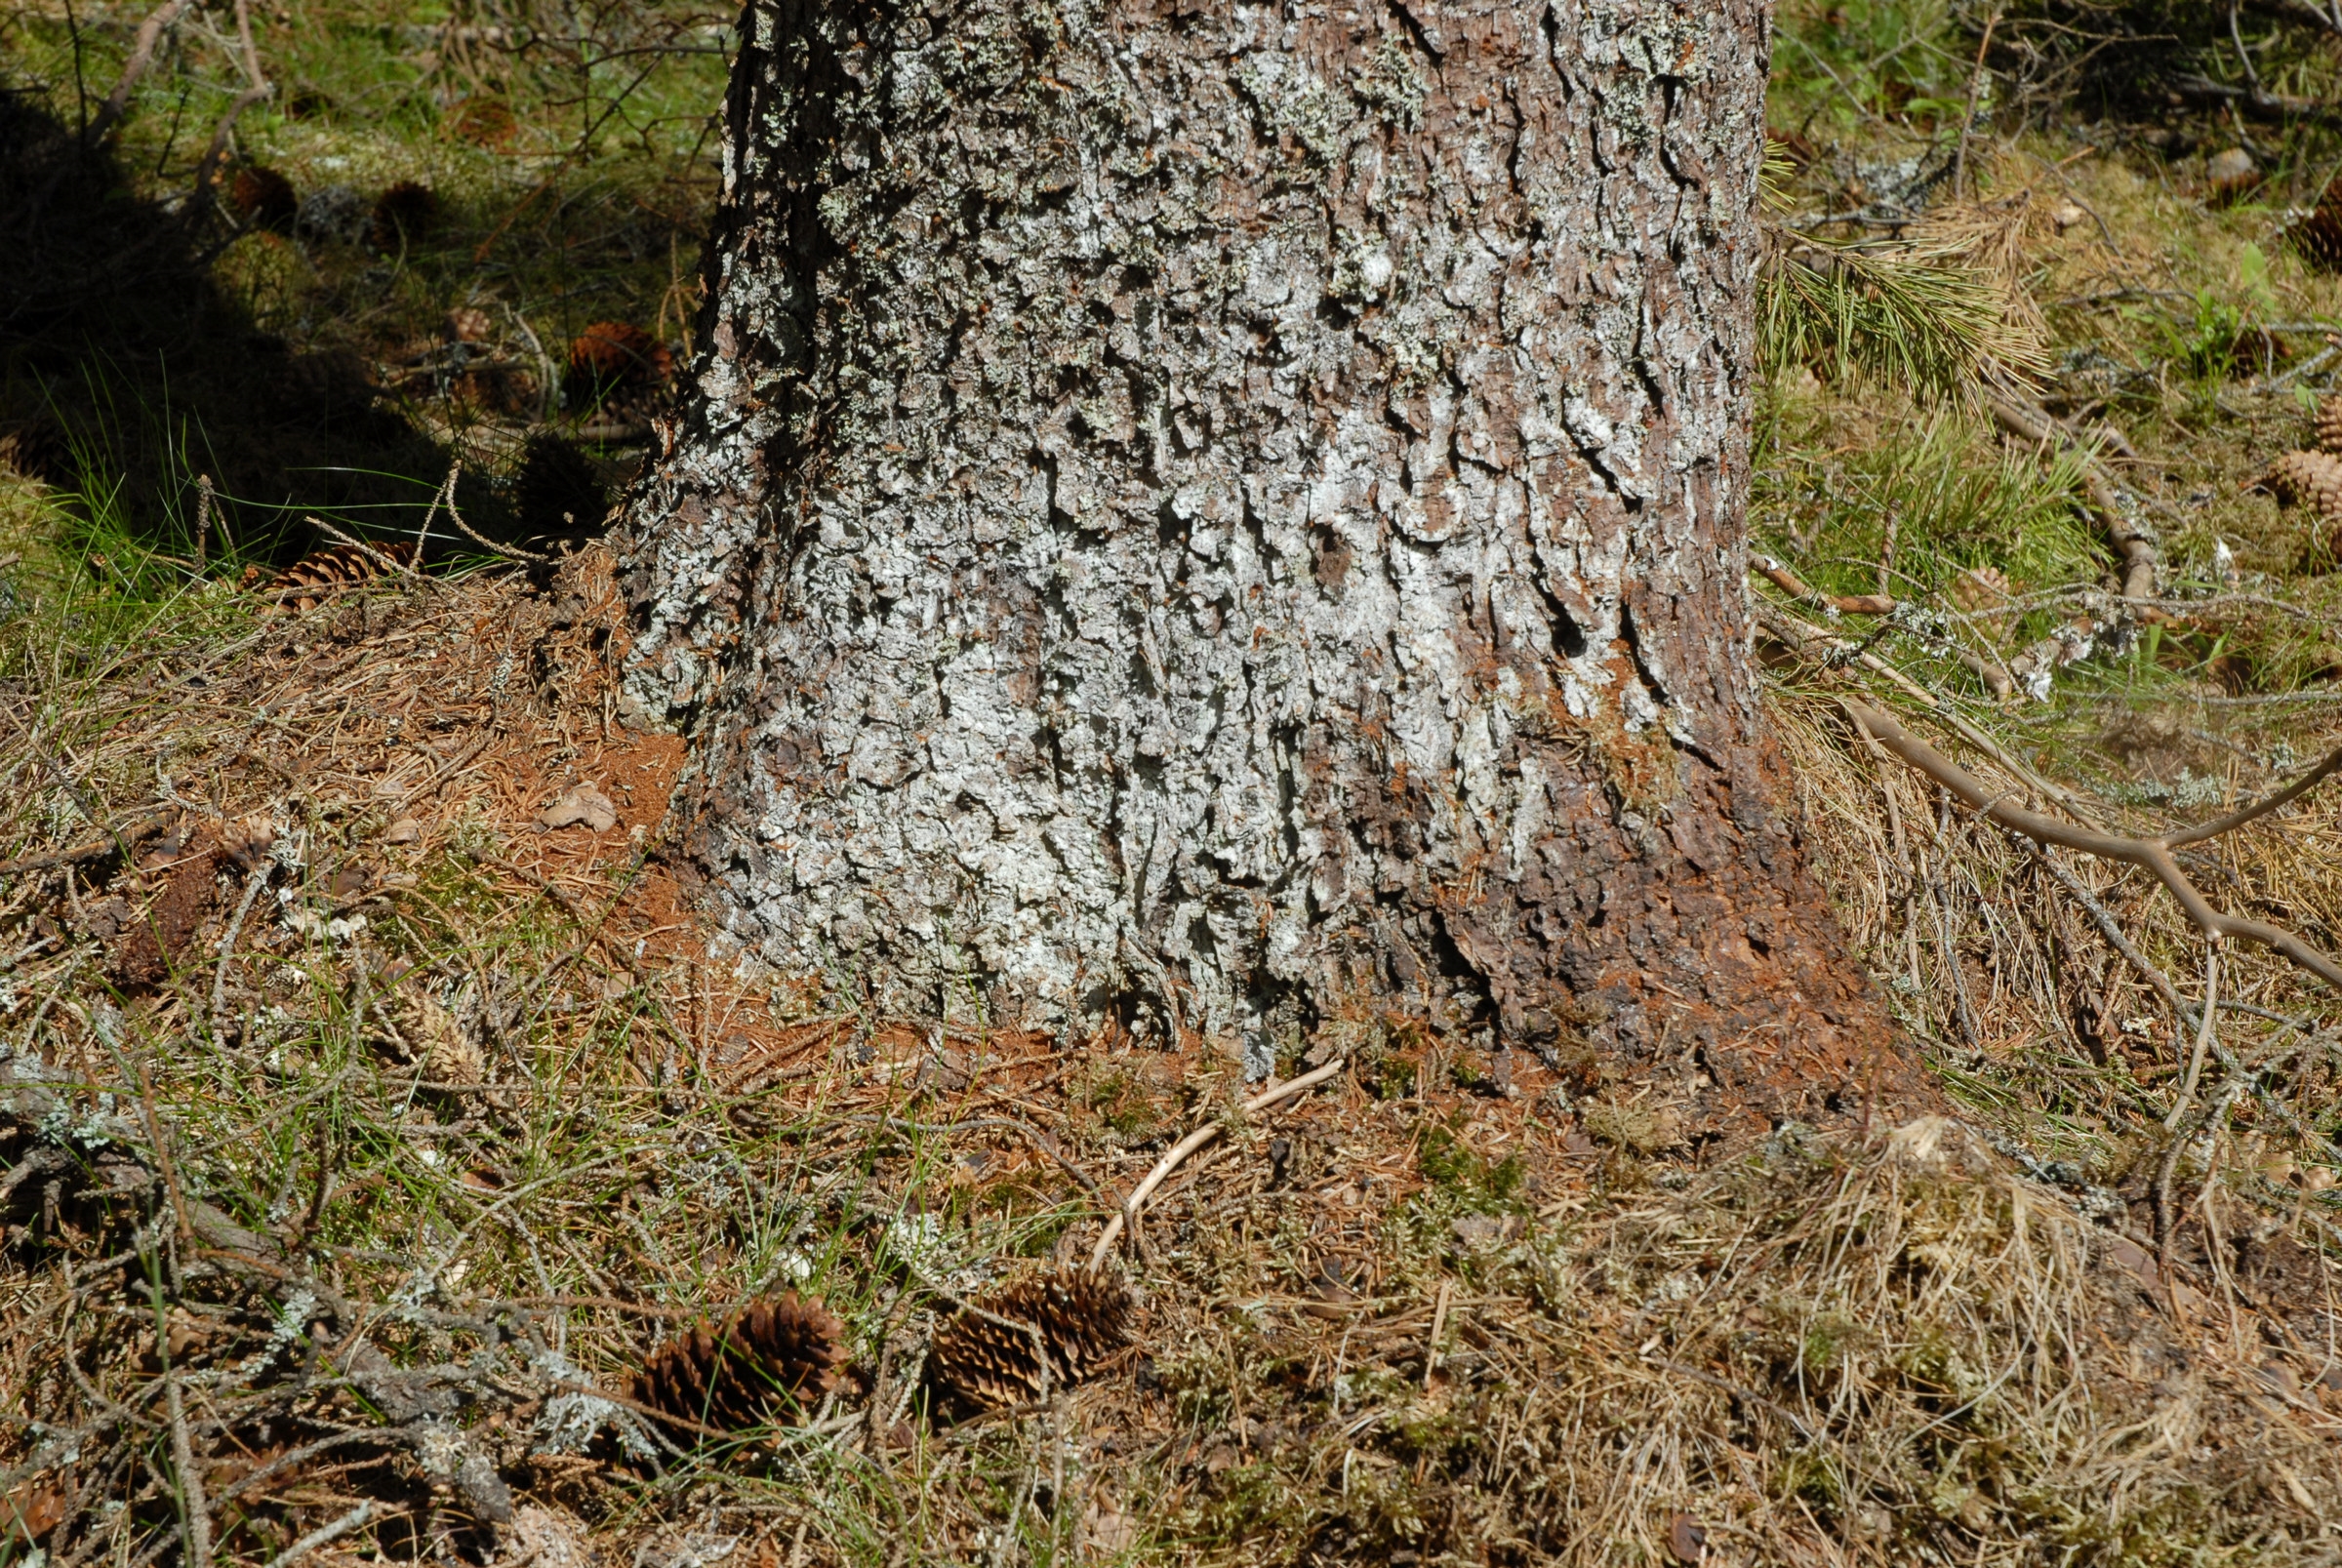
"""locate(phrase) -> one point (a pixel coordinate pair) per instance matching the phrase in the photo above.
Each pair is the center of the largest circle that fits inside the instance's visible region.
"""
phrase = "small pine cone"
(776, 1356)
(1083, 1319)
(2330, 423)
(2311, 479)
(263, 197)
(320, 572)
(2319, 237)
(617, 353)
(401, 216)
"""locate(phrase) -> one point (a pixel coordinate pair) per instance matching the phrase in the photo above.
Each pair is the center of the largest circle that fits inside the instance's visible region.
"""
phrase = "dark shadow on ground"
(124, 367)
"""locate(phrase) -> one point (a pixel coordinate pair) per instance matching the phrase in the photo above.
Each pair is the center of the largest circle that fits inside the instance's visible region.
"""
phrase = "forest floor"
(372, 1106)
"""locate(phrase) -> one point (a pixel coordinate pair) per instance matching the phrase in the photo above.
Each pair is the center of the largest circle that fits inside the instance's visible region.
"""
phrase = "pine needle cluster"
(1941, 328)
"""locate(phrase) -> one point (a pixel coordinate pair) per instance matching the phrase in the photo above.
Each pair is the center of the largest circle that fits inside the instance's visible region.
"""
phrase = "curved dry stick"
(2284, 797)
(142, 55)
(2152, 854)
(2203, 1034)
(1190, 1144)
(236, 927)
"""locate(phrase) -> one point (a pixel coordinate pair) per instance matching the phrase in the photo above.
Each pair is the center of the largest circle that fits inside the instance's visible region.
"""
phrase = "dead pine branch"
(1997, 680)
(2152, 855)
(256, 87)
(161, 20)
(1801, 638)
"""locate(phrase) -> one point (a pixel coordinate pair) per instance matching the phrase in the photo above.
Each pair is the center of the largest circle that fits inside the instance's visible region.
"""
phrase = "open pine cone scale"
(989, 1358)
(770, 1363)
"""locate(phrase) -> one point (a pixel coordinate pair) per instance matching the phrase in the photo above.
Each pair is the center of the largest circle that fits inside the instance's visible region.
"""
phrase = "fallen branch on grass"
(132, 836)
(1797, 587)
(1797, 635)
(207, 168)
(1995, 679)
(1129, 1211)
(150, 32)
(2154, 855)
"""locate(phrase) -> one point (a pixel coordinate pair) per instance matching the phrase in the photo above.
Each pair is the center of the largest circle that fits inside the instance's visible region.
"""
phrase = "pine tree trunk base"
(1228, 522)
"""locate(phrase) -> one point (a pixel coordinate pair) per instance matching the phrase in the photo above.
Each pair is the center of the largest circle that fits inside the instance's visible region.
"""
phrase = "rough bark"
(1232, 513)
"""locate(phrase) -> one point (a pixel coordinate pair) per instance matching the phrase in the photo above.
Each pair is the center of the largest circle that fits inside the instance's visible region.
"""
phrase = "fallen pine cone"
(322, 573)
(612, 354)
(401, 215)
(774, 1358)
(2313, 481)
(2329, 425)
(263, 197)
(2319, 237)
(1082, 1317)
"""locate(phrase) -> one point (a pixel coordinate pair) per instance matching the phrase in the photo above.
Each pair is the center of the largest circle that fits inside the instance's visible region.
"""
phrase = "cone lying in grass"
(769, 1363)
(2313, 481)
(261, 197)
(320, 574)
(2319, 236)
(616, 355)
(2329, 425)
(401, 216)
(1082, 1318)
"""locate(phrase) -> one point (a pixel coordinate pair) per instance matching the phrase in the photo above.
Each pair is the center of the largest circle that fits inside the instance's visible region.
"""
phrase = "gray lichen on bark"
(1229, 510)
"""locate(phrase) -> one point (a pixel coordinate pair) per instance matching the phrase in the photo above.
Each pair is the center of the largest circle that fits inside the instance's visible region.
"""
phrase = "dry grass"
(428, 1133)
(1400, 1318)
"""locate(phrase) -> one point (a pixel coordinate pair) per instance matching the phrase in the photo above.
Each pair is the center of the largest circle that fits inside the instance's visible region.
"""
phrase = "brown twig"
(2203, 1034)
(97, 849)
(2152, 855)
(482, 539)
(1797, 587)
(207, 169)
(1968, 120)
(142, 55)
(197, 1513)
(1129, 1210)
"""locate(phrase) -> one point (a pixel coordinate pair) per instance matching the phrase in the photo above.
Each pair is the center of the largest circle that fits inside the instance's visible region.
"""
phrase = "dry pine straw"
(1398, 1317)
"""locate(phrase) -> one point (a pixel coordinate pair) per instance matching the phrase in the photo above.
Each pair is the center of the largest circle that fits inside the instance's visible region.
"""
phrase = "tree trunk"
(1231, 516)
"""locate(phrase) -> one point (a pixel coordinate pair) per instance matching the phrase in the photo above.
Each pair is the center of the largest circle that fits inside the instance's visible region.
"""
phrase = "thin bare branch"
(256, 87)
(1190, 1144)
(150, 32)
(2286, 796)
(2152, 855)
